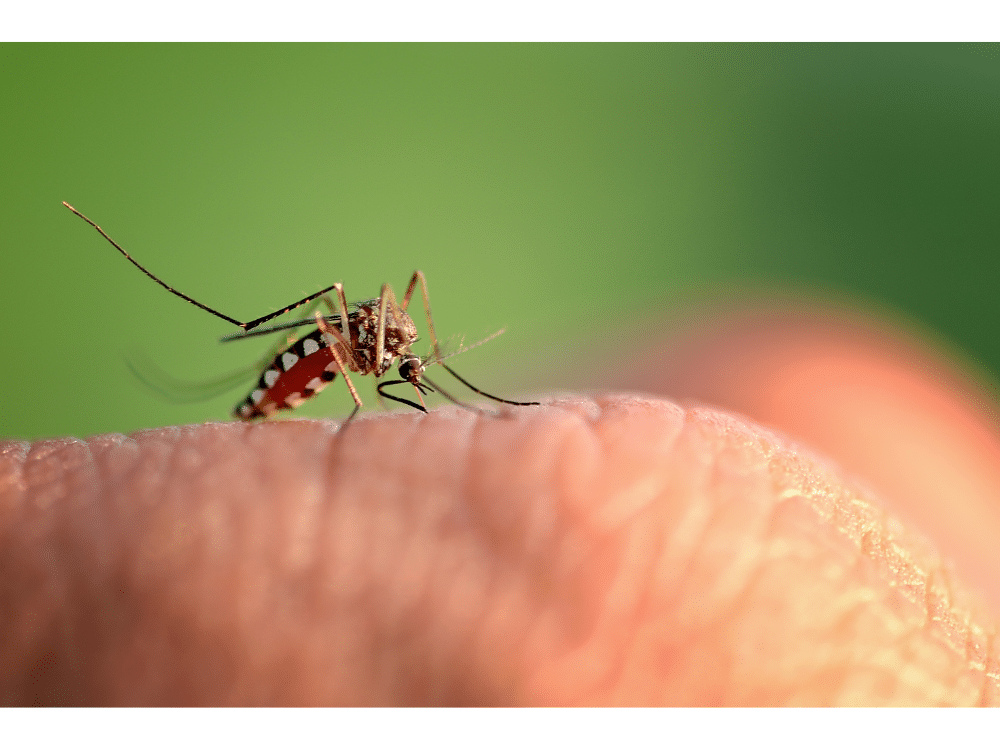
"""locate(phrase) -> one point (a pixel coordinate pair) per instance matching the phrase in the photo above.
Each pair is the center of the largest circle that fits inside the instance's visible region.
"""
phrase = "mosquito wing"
(179, 391)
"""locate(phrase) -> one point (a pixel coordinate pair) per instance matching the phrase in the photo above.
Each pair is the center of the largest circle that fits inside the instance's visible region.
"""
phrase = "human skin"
(595, 550)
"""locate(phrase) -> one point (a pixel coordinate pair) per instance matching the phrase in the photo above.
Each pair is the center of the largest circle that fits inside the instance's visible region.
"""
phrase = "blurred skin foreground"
(616, 550)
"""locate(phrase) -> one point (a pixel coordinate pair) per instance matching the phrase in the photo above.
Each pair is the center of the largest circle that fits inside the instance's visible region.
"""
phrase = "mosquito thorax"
(400, 333)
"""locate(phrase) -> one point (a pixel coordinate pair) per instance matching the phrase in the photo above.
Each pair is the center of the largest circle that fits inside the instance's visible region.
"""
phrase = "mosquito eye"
(410, 368)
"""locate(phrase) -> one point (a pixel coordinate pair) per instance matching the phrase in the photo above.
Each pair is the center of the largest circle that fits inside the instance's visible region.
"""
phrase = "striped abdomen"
(296, 374)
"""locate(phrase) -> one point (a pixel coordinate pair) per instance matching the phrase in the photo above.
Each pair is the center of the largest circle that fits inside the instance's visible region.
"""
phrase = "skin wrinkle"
(872, 528)
(875, 542)
(627, 557)
(885, 398)
(500, 536)
(455, 575)
(62, 488)
(499, 589)
(831, 663)
(895, 563)
(343, 588)
(624, 597)
(407, 582)
(463, 520)
(115, 457)
(854, 614)
(144, 526)
(720, 585)
(201, 550)
(299, 486)
(292, 485)
(12, 459)
(237, 546)
(625, 502)
(565, 557)
(519, 499)
(701, 489)
(991, 686)
(650, 648)
(233, 555)
(747, 576)
(545, 549)
(692, 597)
(733, 581)
(83, 545)
(296, 540)
(399, 603)
(13, 486)
(990, 694)
(577, 627)
(305, 535)
(940, 595)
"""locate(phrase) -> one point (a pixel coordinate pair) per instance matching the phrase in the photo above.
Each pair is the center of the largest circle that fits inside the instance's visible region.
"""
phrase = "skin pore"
(597, 550)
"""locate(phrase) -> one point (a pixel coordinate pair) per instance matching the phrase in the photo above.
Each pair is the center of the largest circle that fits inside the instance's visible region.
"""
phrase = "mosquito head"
(411, 368)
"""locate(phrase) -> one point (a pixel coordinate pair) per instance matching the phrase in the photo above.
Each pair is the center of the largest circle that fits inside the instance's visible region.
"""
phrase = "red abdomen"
(296, 375)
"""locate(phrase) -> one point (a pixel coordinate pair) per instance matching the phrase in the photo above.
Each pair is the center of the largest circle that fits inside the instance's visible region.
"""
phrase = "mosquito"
(366, 337)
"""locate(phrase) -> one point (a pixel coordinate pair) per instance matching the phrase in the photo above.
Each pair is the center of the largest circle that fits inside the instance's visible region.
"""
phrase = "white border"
(499, 728)
(507, 20)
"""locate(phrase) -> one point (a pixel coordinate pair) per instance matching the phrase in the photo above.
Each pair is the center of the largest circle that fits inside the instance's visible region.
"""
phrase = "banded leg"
(283, 342)
(418, 276)
(333, 338)
(387, 303)
(346, 341)
(342, 301)
(246, 326)
(386, 300)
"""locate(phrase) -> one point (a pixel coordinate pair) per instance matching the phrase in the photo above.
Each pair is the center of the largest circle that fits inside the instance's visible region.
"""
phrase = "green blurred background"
(538, 187)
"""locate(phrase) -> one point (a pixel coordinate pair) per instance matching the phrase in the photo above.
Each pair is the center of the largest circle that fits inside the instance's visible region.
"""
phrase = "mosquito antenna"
(245, 326)
(478, 343)
(437, 357)
(471, 387)
(406, 401)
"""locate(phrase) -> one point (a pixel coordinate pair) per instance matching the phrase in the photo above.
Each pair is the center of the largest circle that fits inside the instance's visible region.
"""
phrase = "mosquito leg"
(342, 301)
(270, 316)
(388, 304)
(345, 333)
(333, 338)
(398, 399)
(283, 342)
(155, 278)
(350, 416)
(456, 401)
(343, 337)
(471, 387)
(325, 299)
(379, 396)
(383, 303)
(418, 276)
(248, 326)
